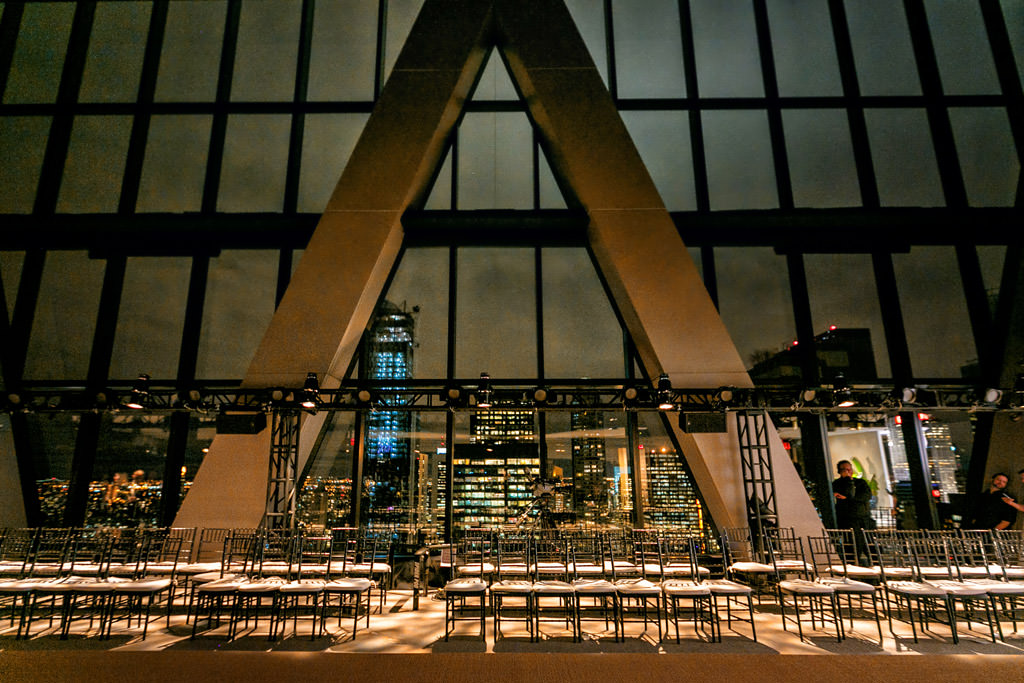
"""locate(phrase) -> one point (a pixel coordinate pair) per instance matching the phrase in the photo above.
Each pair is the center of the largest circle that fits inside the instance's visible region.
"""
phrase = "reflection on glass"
(324, 498)
(668, 494)
(52, 438)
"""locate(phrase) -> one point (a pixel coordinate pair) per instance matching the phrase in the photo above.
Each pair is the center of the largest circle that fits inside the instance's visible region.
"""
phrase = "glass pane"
(400, 18)
(582, 336)
(440, 198)
(151, 318)
(495, 82)
(345, 35)
(95, 164)
(550, 194)
(754, 299)
(874, 449)
(843, 293)
(741, 174)
(10, 275)
(327, 144)
(39, 52)
(494, 467)
(725, 43)
(648, 48)
(22, 145)
(991, 258)
(588, 15)
(255, 163)
(882, 50)
(52, 438)
(268, 46)
(1013, 13)
(668, 493)
(190, 56)
(496, 313)
(239, 305)
(961, 48)
(904, 160)
(934, 312)
(129, 470)
(985, 148)
(663, 140)
(495, 161)
(949, 436)
(420, 286)
(116, 47)
(589, 448)
(805, 54)
(174, 170)
(65, 317)
(325, 496)
(820, 153)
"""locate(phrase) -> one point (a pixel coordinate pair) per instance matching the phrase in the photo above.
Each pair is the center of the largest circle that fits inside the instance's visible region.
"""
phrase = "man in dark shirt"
(852, 504)
(992, 510)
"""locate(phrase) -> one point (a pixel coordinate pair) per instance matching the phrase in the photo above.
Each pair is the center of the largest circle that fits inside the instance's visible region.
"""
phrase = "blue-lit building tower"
(388, 444)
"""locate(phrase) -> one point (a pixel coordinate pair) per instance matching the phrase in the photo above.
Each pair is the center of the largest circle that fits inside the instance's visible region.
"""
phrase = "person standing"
(852, 504)
(995, 509)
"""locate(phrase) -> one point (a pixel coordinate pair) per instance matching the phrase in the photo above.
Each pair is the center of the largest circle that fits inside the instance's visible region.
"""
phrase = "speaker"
(241, 423)
(703, 423)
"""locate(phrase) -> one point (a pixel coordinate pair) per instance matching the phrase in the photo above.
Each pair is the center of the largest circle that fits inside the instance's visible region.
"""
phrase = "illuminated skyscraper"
(388, 443)
(588, 459)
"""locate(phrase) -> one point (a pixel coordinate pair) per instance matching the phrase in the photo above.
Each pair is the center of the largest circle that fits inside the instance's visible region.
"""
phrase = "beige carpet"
(252, 667)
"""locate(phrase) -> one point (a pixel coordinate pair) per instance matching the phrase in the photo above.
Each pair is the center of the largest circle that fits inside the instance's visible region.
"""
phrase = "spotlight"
(364, 396)
(724, 395)
(908, 395)
(808, 395)
(630, 394)
(992, 396)
(139, 397)
(15, 401)
(542, 395)
(310, 392)
(665, 393)
(484, 392)
(454, 396)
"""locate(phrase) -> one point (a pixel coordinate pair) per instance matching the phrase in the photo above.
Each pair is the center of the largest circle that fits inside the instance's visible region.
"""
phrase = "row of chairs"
(65, 574)
(291, 573)
(101, 574)
(644, 576)
(935, 577)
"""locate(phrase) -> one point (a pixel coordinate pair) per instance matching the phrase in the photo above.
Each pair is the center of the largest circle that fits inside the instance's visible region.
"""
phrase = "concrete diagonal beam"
(653, 281)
